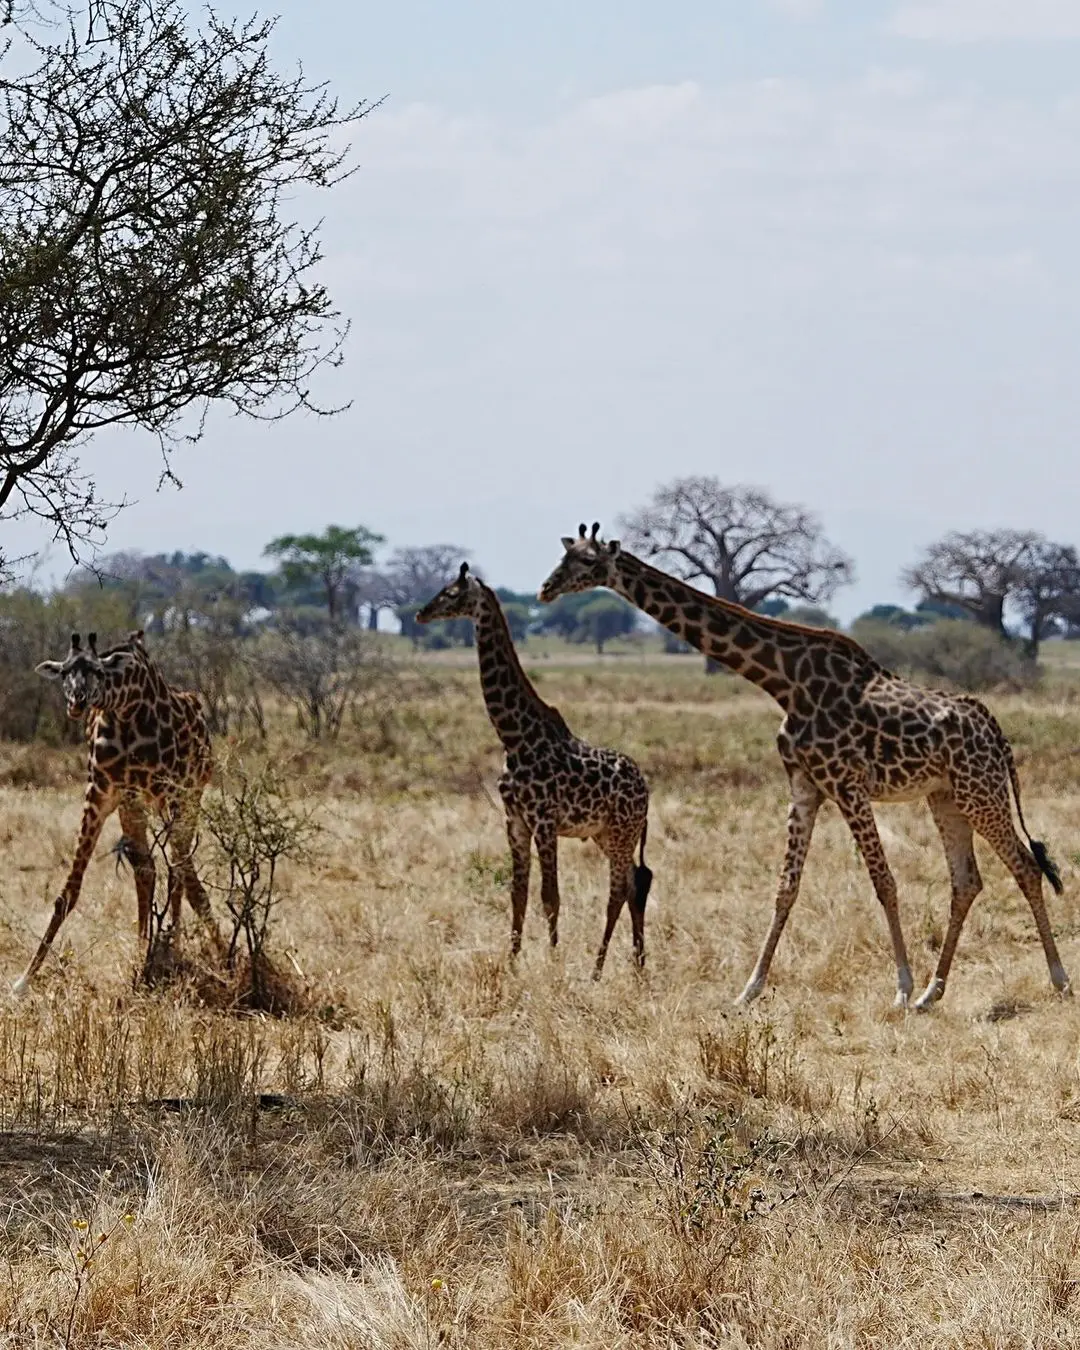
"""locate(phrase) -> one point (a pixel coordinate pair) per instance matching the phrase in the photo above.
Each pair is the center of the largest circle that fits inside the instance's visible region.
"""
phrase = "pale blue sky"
(828, 248)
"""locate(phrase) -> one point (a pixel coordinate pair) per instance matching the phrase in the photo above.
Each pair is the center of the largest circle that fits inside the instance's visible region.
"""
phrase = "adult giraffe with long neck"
(855, 733)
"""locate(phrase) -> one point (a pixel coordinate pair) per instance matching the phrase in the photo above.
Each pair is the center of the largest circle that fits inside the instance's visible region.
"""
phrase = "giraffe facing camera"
(149, 750)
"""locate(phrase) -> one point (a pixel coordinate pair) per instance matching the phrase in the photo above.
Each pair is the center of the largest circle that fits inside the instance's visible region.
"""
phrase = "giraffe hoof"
(929, 996)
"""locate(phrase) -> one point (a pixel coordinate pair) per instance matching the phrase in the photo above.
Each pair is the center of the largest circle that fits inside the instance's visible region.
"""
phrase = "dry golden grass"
(447, 1151)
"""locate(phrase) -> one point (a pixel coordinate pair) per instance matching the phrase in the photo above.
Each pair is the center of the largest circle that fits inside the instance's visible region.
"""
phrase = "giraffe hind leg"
(620, 890)
(182, 850)
(640, 886)
(133, 823)
(997, 829)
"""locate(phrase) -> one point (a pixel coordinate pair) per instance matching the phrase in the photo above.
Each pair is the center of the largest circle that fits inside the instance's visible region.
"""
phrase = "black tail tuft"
(1046, 865)
(642, 884)
(642, 874)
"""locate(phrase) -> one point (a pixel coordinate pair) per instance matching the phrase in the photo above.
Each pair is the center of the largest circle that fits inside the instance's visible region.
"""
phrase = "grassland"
(446, 1151)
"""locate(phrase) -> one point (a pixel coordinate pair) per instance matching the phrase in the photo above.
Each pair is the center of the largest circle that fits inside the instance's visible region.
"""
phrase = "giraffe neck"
(781, 658)
(140, 684)
(516, 710)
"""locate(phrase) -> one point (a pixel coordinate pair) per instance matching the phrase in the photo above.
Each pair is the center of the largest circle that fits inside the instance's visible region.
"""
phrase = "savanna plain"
(437, 1148)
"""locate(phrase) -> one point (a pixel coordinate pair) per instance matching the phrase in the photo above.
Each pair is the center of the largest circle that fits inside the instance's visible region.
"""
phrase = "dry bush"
(325, 674)
(950, 652)
(254, 826)
(217, 662)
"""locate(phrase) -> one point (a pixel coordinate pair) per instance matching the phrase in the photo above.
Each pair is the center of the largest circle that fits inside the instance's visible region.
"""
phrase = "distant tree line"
(735, 542)
(331, 577)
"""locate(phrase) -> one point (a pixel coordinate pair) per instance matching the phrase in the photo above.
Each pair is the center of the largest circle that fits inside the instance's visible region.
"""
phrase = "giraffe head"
(589, 561)
(87, 677)
(459, 600)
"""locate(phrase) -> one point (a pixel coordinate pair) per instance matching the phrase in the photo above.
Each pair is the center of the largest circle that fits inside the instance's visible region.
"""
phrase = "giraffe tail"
(1039, 851)
(643, 876)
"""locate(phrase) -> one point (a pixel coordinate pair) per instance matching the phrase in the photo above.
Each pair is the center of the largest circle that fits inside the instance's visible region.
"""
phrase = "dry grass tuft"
(415, 1142)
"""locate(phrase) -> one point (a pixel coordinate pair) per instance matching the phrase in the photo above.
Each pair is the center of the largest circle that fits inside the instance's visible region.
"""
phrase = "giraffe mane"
(774, 624)
(549, 709)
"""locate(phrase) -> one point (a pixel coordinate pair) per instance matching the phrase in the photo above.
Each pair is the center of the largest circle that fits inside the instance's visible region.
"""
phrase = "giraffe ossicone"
(553, 785)
(149, 752)
(853, 733)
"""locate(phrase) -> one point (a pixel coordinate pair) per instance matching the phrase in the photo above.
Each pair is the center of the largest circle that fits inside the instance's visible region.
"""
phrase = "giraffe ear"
(115, 662)
(50, 670)
(567, 543)
(614, 547)
(463, 571)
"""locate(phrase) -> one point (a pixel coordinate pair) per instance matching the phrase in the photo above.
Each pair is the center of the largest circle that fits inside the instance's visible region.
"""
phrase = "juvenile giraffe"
(852, 732)
(149, 748)
(553, 784)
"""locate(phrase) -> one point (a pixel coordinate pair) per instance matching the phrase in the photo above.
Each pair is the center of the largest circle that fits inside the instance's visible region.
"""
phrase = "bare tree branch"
(745, 545)
(985, 572)
(149, 264)
(978, 571)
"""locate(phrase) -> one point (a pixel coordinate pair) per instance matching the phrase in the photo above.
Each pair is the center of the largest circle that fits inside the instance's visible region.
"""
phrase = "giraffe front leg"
(859, 814)
(547, 849)
(520, 837)
(98, 806)
(806, 800)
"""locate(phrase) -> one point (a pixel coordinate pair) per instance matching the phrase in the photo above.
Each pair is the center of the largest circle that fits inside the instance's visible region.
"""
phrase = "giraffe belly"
(581, 829)
(909, 789)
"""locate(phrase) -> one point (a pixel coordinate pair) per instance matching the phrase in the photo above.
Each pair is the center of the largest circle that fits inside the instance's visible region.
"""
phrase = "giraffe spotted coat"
(853, 733)
(553, 784)
(149, 752)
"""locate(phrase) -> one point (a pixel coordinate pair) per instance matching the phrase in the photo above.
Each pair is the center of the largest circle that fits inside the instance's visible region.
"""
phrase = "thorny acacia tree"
(745, 545)
(149, 262)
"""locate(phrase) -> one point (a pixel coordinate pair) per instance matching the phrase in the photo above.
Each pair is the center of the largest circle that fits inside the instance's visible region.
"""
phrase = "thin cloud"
(797, 9)
(958, 21)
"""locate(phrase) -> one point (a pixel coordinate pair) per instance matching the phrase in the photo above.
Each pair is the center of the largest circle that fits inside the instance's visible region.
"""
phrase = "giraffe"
(149, 748)
(854, 733)
(553, 784)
